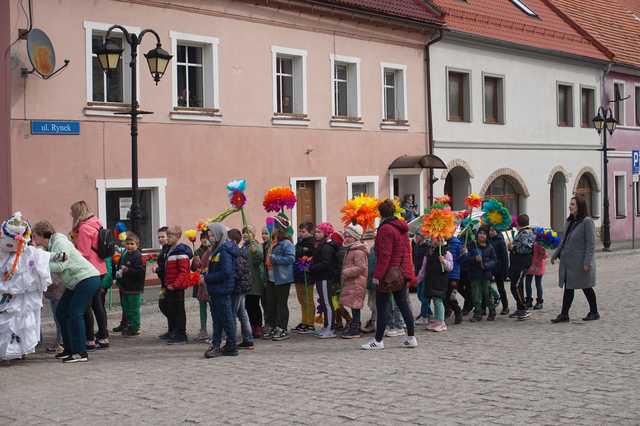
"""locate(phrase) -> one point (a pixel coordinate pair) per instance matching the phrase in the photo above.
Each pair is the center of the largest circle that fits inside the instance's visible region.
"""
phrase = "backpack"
(524, 241)
(106, 244)
(243, 281)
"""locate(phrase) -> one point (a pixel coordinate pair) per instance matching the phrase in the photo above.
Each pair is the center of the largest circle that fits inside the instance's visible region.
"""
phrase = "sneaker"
(268, 333)
(300, 328)
(129, 332)
(91, 346)
(308, 329)
(212, 352)
(165, 336)
(55, 349)
(202, 336)
(560, 318)
(492, 315)
(280, 335)
(504, 311)
(352, 333)
(537, 306)
(373, 345)
(523, 315)
(229, 352)
(421, 321)
(82, 357)
(103, 343)
(177, 340)
(476, 318)
(592, 316)
(410, 342)
(516, 314)
(441, 326)
(246, 345)
(326, 333)
(430, 324)
(63, 354)
(257, 332)
(119, 328)
(394, 332)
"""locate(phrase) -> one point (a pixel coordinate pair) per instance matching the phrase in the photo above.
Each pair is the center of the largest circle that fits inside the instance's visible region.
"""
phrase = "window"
(104, 88)
(618, 105)
(621, 194)
(637, 105)
(195, 77)
(586, 188)
(289, 81)
(587, 106)
(508, 192)
(493, 99)
(358, 185)
(565, 105)
(394, 102)
(458, 96)
(523, 7)
(345, 88)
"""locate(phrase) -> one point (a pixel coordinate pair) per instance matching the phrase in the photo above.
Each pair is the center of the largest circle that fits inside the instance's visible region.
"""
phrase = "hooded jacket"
(484, 270)
(304, 247)
(354, 276)
(86, 241)
(454, 245)
(132, 279)
(324, 265)
(177, 267)
(220, 277)
(502, 255)
(393, 248)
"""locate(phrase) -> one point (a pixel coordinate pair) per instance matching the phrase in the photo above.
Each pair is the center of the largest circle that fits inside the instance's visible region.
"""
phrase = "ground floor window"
(621, 194)
(362, 185)
(506, 190)
(586, 188)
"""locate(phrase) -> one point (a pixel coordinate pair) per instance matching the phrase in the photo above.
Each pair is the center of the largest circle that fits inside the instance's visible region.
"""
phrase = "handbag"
(393, 280)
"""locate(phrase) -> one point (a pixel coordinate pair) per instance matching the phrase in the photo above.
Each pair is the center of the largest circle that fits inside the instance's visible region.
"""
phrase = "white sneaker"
(394, 332)
(421, 321)
(373, 345)
(410, 342)
(327, 334)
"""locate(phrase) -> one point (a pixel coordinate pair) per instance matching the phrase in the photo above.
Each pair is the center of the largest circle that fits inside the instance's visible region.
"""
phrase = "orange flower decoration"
(439, 224)
(443, 199)
(279, 197)
(362, 210)
(473, 201)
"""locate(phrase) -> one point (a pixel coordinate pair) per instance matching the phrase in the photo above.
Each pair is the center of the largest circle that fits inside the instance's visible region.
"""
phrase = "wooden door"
(306, 206)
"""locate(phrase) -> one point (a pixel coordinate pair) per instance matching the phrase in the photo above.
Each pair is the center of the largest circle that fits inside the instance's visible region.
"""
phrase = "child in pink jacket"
(536, 270)
(353, 276)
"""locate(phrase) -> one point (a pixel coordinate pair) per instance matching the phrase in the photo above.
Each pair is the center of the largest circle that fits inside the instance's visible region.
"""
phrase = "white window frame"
(572, 103)
(501, 119)
(210, 77)
(623, 175)
(297, 118)
(623, 121)
(404, 117)
(354, 62)
(422, 178)
(375, 180)
(293, 181)
(469, 94)
(89, 28)
(160, 198)
(594, 106)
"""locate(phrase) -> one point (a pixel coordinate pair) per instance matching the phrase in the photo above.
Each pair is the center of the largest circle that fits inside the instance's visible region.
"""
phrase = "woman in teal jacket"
(81, 280)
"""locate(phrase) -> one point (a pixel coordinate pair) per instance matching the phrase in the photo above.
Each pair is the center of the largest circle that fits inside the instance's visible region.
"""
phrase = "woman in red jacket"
(85, 237)
(393, 251)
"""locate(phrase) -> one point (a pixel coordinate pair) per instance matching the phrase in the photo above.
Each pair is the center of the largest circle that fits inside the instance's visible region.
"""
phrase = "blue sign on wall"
(55, 127)
(635, 164)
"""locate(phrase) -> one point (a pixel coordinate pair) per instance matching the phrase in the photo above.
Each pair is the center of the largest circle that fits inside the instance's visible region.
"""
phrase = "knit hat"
(16, 227)
(354, 230)
(281, 221)
(326, 228)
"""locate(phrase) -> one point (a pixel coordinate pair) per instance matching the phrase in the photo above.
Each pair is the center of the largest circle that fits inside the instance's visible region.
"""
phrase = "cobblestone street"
(505, 372)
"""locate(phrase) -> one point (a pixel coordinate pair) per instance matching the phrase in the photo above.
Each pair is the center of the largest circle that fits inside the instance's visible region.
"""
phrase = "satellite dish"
(41, 55)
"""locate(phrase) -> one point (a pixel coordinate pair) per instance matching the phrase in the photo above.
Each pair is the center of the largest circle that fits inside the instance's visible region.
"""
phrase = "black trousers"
(464, 288)
(517, 287)
(276, 305)
(164, 308)
(252, 303)
(567, 300)
(97, 306)
(402, 300)
(176, 314)
(501, 291)
(451, 303)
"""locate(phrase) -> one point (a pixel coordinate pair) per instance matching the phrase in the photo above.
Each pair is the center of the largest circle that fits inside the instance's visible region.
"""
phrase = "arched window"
(508, 192)
(457, 186)
(586, 188)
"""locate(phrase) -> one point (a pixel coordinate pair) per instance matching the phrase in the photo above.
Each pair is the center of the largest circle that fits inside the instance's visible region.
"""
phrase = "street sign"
(55, 127)
(635, 162)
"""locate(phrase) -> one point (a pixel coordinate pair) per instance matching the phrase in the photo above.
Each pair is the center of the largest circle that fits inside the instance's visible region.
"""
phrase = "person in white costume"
(24, 276)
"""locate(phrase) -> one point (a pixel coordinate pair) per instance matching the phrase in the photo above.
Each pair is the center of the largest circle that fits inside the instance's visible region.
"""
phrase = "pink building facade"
(321, 99)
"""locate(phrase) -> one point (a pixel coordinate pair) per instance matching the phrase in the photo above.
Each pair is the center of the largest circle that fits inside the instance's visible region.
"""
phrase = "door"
(118, 205)
(558, 198)
(306, 206)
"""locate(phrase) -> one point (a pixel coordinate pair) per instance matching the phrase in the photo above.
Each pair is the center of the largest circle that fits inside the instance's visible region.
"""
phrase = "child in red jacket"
(176, 271)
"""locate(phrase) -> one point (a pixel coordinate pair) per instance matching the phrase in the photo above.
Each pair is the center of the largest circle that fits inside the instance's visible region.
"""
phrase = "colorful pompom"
(362, 210)
(473, 201)
(496, 215)
(278, 198)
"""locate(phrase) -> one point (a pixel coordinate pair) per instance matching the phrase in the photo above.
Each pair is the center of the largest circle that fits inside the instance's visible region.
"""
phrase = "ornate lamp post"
(158, 60)
(604, 121)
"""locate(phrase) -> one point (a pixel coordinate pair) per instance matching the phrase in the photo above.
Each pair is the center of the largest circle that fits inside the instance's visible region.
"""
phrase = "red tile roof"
(503, 20)
(415, 10)
(614, 24)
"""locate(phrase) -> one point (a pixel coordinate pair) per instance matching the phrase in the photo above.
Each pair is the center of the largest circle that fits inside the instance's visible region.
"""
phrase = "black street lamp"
(604, 121)
(158, 59)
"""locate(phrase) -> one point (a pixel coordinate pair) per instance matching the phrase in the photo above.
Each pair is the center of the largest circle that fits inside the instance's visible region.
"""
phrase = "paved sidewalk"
(505, 372)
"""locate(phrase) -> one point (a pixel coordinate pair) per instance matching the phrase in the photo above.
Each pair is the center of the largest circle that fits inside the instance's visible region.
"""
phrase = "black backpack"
(106, 243)
(243, 281)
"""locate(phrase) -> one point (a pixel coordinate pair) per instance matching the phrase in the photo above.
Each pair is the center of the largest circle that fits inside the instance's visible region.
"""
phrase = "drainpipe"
(427, 61)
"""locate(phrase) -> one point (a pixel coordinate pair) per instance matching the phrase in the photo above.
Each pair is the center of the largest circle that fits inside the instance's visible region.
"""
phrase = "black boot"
(560, 318)
(353, 332)
(528, 302)
(492, 314)
(538, 304)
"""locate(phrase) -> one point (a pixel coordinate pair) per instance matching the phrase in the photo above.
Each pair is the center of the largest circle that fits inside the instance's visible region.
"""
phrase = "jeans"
(70, 313)
(223, 319)
(54, 308)
(529, 290)
(252, 303)
(97, 306)
(304, 292)
(238, 301)
(176, 315)
(402, 300)
(425, 306)
(567, 300)
(325, 294)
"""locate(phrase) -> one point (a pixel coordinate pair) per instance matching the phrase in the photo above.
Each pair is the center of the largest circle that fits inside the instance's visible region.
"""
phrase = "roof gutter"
(427, 64)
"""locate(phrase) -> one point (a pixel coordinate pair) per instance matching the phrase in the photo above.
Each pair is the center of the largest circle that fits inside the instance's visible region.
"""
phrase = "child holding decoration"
(354, 277)
(130, 275)
(481, 261)
(435, 270)
(304, 289)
